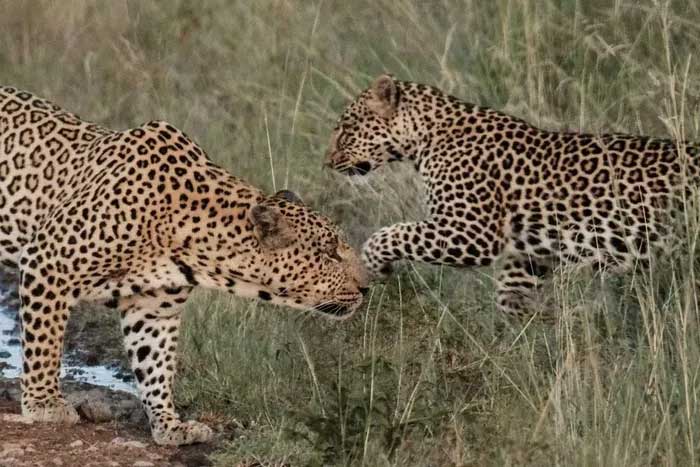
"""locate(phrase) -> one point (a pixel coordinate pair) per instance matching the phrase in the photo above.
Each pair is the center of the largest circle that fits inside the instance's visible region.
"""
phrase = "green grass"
(428, 373)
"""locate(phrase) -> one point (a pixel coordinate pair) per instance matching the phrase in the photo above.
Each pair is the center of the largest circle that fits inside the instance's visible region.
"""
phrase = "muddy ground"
(112, 432)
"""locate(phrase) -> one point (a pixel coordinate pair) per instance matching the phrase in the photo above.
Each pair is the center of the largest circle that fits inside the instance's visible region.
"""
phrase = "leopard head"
(304, 260)
(371, 131)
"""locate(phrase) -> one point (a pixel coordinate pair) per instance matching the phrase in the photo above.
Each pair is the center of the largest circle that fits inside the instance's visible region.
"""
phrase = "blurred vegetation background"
(429, 373)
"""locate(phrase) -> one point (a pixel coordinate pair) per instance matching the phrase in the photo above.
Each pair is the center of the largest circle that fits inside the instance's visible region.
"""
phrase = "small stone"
(57, 462)
(138, 417)
(92, 359)
(76, 444)
(12, 393)
(95, 411)
(135, 444)
(143, 464)
(5, 354)
(13, 341)
(119, 441)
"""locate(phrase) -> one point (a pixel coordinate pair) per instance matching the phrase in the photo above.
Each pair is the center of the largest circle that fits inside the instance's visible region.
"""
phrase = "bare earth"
(113, 430)
(118, 442)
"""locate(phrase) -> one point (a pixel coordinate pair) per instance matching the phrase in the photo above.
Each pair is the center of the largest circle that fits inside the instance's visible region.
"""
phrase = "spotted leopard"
(136, 219)
(499, 188)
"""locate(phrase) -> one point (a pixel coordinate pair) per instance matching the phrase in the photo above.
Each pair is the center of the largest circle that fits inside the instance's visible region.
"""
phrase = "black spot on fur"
(143, 352)
(186, 270)
(264, 295)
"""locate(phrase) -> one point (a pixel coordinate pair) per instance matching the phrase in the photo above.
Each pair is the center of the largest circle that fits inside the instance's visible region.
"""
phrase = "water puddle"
(11, 356)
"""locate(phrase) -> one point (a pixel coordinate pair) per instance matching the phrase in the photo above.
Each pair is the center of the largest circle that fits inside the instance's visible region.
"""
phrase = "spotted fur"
(135, 219)
(500, 188)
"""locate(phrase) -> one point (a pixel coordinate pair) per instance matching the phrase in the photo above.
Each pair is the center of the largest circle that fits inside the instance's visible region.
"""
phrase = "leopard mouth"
(360, 168)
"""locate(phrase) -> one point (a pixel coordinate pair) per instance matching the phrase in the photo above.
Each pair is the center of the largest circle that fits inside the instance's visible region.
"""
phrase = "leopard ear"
(384, 99)
(289, 196)
(270, 227)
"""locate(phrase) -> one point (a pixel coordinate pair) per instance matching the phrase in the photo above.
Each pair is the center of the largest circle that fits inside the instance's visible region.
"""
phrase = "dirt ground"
(115, 443)
(113, 430)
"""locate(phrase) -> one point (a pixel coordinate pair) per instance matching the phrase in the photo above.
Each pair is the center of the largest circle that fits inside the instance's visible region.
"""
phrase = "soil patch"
(113, 432)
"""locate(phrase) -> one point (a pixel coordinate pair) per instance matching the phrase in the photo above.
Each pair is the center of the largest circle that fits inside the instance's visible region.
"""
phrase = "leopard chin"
(335, 310)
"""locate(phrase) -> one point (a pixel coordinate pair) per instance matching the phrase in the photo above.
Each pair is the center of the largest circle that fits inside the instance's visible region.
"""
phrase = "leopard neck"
(428, 117)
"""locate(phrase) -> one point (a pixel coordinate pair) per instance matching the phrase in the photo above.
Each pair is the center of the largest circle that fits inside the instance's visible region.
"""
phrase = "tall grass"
(428, 374)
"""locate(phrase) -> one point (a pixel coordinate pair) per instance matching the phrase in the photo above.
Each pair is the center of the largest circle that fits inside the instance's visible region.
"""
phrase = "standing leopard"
(500, 188)
(135, 220)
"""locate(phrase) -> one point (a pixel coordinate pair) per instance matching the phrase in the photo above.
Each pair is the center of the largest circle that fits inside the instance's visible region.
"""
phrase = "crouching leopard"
(500, 188)
(136, 219)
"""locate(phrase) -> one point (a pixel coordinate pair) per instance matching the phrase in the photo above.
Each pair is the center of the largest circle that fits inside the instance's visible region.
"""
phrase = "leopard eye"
(332, 252)
(335, 256)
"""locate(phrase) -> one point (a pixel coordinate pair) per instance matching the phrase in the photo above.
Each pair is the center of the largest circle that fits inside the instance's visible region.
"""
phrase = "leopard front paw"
(377, 269)
(178, 433)
(53, 410)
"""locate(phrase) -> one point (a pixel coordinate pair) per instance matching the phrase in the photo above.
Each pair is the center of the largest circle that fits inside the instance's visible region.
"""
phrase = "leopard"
(133, 221)
(504, 193)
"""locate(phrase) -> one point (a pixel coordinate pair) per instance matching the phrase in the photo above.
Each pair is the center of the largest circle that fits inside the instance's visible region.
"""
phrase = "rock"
(143, 464)
(119, 441)
(95, 410)
(13, 341)
(5, 354)
(57, 462)
(102, 404)
(138, 417)
(91, 359)
(10, 392)
(76, 444)
(122, 405)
